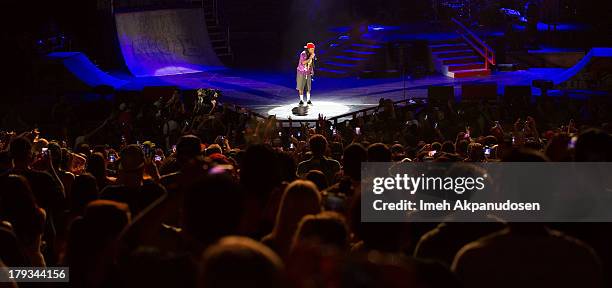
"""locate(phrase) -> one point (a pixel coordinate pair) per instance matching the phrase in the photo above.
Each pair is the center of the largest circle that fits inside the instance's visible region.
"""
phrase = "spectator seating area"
(137, 192)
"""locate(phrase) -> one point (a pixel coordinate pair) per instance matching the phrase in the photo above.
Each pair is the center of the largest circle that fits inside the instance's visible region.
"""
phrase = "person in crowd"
(558, 148)
(191, 168)
(398, 153)
(171, 114)
(86, 136)
(475, 153)
(6, 163)
(97, 166)
(12, 251)
(301, 198)
(528, 254)
(212, 210)
(353, 156)
(318, 161)
(84, 191)
(443, 242)
(379, 152)
(436, 146)
(461, 147)
(288, 166)
(525, 155)
(92, 244)
(376, 269)
(213, 149)
(324, 229)
(132, 188)
(21, 215)
(211, 207)
(46, 187)
(148, 266)
(318, 178)
(39, 145)
(336, 148)
(321, 238)
(448, 147)
(259, 185)
(594, 145)
(66, 177)
(387, 237)
(9, 283)
(339, 196)
(241, 262)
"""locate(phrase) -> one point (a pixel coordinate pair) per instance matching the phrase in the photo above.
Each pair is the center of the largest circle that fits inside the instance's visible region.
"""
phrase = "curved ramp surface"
(166, 42)
(594, 72)
(80, 66)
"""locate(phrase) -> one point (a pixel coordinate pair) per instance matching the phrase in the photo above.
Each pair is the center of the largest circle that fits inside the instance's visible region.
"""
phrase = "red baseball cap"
(309, 45)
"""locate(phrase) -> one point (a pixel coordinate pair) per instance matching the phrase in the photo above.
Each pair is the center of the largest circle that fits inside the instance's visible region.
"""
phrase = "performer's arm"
(307, 60)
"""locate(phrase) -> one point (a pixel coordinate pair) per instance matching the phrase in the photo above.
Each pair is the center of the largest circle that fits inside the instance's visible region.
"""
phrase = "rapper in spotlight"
(305, 71)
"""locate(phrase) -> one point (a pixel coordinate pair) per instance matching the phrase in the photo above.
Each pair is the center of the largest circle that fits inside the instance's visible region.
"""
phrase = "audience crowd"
(156, 196)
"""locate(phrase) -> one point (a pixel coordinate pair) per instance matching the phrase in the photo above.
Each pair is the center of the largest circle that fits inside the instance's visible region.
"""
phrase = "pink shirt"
(301, 68)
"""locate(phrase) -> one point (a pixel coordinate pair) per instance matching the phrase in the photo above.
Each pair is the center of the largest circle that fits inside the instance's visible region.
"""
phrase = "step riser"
(466, 67)
(358, 54)
(468, 74)
(447, 42)
(449, 48)
(455, 59)
(454, 54)
(460, 61)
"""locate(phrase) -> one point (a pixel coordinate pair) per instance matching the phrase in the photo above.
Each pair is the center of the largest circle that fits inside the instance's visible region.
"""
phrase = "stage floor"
(270, 93)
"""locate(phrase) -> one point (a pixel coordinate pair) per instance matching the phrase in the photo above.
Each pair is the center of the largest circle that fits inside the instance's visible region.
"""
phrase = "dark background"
(264, 33)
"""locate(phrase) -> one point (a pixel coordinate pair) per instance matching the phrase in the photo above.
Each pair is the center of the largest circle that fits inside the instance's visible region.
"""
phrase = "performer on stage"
(305, 71)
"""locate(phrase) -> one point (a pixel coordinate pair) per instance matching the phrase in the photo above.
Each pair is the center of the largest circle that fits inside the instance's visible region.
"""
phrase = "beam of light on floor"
(173, 70)
(327, 109)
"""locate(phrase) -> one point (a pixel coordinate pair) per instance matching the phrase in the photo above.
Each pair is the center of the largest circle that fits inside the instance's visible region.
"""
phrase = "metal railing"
(477, 44)
(416, 102)
(218, 22)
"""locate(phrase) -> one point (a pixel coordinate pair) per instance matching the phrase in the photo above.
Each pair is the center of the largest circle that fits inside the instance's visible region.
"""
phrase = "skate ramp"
(593, 72)
(79, 65)
(166, 42)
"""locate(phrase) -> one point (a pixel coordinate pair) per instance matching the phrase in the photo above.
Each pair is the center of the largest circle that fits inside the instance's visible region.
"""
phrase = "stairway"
(456, 59)
(345, 57)
(218, 33)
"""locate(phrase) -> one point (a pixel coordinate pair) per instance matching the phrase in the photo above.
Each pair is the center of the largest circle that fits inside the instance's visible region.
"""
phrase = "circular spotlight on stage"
(309, 112)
